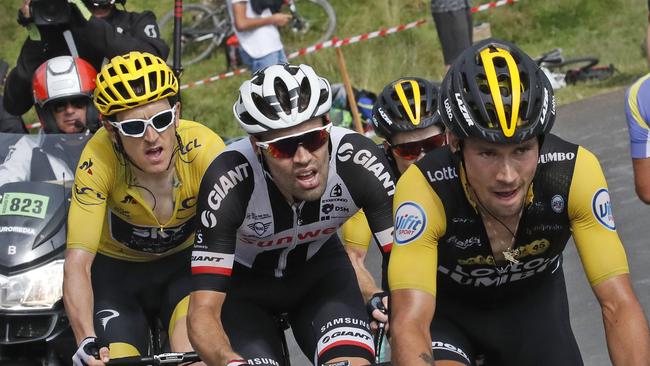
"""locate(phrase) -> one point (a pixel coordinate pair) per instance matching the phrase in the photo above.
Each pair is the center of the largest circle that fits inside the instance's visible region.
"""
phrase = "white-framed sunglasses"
(137, 127)
(286, 146)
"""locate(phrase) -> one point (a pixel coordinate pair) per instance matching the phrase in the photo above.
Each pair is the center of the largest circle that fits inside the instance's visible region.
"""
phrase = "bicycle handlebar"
(170, 358)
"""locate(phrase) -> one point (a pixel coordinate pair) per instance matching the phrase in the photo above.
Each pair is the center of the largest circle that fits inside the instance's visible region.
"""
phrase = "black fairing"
(35, 240)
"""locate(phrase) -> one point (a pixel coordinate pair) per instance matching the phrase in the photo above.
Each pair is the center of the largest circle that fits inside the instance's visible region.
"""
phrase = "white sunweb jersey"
(244, 218)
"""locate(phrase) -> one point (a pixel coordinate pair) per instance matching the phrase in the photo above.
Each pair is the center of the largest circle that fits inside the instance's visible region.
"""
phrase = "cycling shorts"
(532, 329)
(322, 303)
(132, 297)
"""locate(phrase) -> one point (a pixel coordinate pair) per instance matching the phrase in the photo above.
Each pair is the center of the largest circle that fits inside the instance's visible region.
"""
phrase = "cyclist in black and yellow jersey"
(480, 227)
(131, 220)
(406, 117)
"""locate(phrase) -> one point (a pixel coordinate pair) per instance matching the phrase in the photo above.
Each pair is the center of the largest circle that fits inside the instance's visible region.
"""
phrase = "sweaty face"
(152, 152)
(302, 177)
(411, 136)
(500, 174)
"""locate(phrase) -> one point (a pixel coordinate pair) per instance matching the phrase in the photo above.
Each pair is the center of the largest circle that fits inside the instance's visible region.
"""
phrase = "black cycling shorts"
(322, 301)
(530, 329)
(454, 31)
(131, 297)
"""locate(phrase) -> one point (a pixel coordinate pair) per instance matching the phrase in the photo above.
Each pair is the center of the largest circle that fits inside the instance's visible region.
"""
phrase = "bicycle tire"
(322, 19)
(194, 15)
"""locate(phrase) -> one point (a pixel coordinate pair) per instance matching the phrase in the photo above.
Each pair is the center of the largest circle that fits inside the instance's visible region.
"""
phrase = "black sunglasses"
(60, 105)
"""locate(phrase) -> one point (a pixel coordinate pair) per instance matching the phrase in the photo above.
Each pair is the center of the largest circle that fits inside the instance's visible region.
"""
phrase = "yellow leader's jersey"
(440, 243)
(109, 216)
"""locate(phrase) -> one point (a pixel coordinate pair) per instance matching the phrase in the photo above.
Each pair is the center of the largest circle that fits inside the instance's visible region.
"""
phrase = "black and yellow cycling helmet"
(132, 80)
(496, 92)
(405, 104)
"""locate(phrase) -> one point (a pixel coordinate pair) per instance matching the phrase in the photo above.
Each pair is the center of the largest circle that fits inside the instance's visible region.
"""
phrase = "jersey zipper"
(282, 261)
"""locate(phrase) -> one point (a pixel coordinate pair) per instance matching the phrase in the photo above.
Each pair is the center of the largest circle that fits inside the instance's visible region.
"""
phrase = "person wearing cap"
(267, 245)
(406, 117)
(63, 88)
(481, 224)
(132, 215)
(100, 31)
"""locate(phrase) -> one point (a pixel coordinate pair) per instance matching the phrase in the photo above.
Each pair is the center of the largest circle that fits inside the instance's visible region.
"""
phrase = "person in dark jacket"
(8, 122)
(100, 31)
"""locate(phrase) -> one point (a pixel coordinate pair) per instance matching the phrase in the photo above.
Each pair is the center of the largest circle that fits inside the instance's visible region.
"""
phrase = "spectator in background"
(259, 39)
(8, 122)
(453, 20)
(100, 31)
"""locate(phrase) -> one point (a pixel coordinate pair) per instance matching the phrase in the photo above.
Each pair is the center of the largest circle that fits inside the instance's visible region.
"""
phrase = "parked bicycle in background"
(207, 25)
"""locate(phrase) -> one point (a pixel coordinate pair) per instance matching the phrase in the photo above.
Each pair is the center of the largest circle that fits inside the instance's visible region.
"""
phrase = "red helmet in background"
(64, 77)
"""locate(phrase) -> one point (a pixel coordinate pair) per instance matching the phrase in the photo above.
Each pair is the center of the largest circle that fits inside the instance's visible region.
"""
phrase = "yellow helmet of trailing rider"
(117, 83)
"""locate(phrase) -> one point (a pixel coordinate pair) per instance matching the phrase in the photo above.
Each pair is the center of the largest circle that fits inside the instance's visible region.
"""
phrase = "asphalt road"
(599, 125)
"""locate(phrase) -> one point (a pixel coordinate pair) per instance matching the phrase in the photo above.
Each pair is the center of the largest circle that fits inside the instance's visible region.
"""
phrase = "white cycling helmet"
(281, 96)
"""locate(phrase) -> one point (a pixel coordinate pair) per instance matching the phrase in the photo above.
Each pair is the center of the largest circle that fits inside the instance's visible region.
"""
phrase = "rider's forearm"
(626, 329)
(366, 281)
(78, 300)
(208, 336)
(410, 344)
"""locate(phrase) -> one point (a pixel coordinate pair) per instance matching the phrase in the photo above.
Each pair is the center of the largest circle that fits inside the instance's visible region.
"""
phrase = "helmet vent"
(264, 107)
(304, 95)
(123, 69)
(282, 95)
(500, 62)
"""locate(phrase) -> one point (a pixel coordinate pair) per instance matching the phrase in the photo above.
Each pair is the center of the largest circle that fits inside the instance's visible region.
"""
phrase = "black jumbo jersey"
(569, 195)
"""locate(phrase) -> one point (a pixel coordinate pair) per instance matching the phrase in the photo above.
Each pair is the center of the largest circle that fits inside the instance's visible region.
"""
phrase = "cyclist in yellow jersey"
(131, 220)
(480, 227)
(406, 117)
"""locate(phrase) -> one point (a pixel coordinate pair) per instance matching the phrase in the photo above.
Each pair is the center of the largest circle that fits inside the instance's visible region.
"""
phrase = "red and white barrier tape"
(334, 42)
(492, 4)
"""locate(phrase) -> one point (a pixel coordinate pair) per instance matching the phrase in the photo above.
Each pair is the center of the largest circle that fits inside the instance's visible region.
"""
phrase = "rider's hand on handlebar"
(377, 308)
(281, 19)
(89, 353)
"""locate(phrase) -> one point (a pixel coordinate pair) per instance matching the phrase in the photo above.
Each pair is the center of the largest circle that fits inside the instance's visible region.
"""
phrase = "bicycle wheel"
(318, 20)
(203, 30)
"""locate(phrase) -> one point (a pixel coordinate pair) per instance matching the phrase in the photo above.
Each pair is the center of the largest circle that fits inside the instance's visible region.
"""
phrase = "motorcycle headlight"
(39, 288)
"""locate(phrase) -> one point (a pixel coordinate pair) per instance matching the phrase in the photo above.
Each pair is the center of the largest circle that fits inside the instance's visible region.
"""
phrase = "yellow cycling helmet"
(132, 80)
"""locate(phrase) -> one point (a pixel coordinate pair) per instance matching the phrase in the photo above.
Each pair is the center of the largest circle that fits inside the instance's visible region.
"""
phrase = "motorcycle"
(34, 201)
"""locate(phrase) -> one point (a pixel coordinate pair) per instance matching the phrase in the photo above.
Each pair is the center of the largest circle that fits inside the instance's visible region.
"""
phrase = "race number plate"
(24, 204)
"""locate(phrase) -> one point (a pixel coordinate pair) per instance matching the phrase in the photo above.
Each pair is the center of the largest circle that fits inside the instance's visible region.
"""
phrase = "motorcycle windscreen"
(36, 177)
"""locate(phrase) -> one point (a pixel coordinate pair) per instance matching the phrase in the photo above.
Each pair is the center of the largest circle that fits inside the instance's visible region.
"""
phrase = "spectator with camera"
(100, 31)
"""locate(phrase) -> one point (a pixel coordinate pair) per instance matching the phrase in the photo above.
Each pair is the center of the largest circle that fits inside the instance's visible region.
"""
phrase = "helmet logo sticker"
(602, 209)
(410, 221)
(488, 55)
(542, 118)
(463, 110)
(450, 114)
(383, 115)
(415, 119)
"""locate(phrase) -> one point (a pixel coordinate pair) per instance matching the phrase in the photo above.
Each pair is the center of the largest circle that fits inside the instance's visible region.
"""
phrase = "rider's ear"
(178, 113)
(453, 141)
(109, 128)
(256, 148)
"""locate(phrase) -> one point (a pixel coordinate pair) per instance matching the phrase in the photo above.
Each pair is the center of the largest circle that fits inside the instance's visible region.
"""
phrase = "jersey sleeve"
(201, 145)
(225, 191)
(92, 183)
(367, 174)
(356, 232)
(592, 221)
(420, 221)
(637, 111)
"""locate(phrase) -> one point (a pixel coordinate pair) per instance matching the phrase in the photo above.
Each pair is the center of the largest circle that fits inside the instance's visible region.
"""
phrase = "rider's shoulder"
(639, 92)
